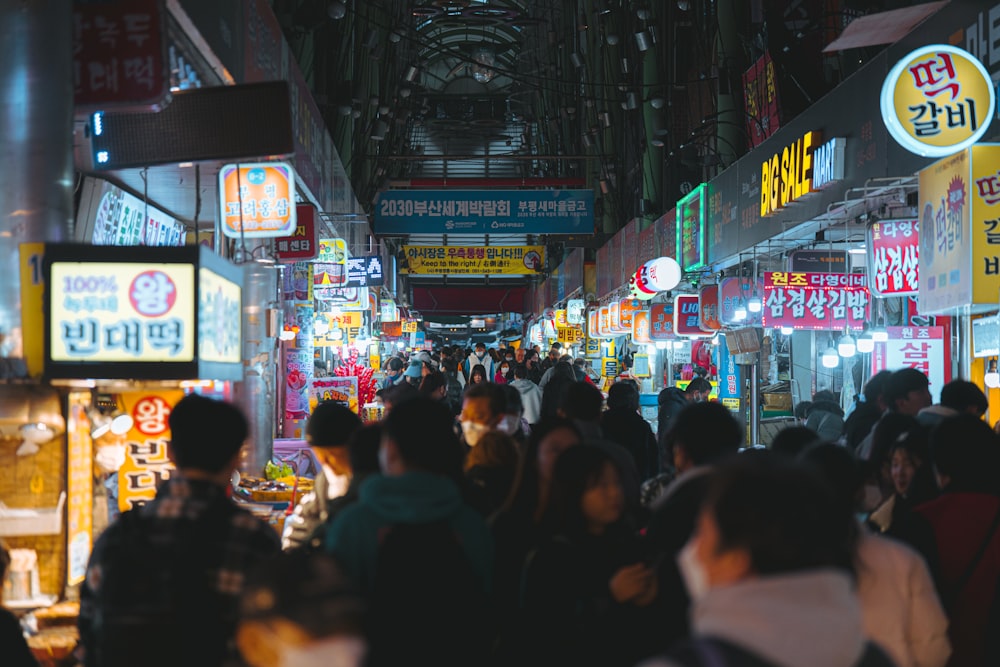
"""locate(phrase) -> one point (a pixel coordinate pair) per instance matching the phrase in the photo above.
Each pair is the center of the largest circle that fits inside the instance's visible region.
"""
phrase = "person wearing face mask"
(504, 374)
(769, 570)
(478, 358)
(513, 422)
(482, 409)
(393, 373)
(302, 610)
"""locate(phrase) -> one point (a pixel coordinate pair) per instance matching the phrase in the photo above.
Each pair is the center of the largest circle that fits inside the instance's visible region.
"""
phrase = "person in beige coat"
(900, 608)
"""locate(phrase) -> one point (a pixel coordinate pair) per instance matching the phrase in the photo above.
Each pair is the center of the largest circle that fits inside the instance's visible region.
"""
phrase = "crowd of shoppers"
(510, 530)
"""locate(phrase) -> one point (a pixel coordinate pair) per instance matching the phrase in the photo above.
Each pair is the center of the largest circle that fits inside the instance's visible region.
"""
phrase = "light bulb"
(740, 313)
(401, 345)
(787, 331)
(866, 344)
(992, 380)
(880, 335)
(830, 358)
(846, 347)
(121, 423)
(754, 304)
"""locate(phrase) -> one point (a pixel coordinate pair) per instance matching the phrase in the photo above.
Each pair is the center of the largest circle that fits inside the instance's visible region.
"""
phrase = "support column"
(36, 131)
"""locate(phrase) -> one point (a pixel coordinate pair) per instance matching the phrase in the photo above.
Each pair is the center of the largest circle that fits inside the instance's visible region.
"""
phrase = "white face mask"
(110, 458)
(509, 424)
(331, 652)
(473, 432)
(695, 578)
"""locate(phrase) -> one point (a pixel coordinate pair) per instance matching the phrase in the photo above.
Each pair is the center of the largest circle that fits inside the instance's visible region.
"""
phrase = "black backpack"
(155, 601)
(428, 604)
(454, 395)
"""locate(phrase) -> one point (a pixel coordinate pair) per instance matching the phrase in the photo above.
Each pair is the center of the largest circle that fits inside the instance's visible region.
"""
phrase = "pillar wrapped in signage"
(299, 372)
(959, 209)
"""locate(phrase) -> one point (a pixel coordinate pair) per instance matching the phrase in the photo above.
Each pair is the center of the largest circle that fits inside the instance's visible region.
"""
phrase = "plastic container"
(45, 521)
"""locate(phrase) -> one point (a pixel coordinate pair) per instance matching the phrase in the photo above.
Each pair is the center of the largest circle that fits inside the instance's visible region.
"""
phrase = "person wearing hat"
(393, 372)
(414, 372)
(328, 431)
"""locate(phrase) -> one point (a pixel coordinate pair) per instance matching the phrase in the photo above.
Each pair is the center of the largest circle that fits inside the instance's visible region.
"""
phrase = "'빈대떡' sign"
(146, 462)
(817, 301)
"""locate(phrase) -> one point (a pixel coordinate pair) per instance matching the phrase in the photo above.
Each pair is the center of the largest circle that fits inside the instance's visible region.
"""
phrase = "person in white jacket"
(899, 604)
(531, 395)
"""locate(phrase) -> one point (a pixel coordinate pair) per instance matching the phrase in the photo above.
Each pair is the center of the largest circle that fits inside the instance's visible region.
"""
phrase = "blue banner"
(484, 212)
(730, 382)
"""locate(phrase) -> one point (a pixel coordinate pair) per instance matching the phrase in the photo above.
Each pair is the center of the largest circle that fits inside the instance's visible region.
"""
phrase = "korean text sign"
(817, 301)
(686, 315)
(922, 348)
(938, 100)
(301, 245)
(985, 223)
(893, 252)
(121, 312)
(485, 212)
(475, 260)
(146, 462)
(220, 305)
(945, 248)
(257, 200)
(661, 321)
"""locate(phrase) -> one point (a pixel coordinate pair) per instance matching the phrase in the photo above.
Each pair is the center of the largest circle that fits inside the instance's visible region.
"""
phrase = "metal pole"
(755, 402)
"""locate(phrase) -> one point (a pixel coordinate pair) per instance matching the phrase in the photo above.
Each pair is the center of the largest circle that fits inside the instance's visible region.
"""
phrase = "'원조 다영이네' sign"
(937, 100)
(257, 200)
(893, 250)
(817, 301)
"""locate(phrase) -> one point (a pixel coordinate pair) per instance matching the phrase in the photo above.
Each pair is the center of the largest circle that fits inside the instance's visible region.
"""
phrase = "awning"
(882, 28)
(468, 300)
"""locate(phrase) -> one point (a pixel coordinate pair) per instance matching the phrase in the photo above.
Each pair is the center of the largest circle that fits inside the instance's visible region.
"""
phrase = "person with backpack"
(164, 580)
(421, 555)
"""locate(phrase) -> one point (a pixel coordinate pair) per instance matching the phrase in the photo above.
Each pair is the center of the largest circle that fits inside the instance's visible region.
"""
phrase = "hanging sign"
(816, 301)
(79, 486)
(389, 312)
(626, 309)
(342, 390)
(731, 292)
(730, 384)
(661, 320)
(257, 200)
(301, 245)
(603, 319)
(330, 269)
(569, 335)
(365, 271)
(893, 250)
(560, 318)
(574, 311)
(922, 348)
(641, 326)
(686, 315)
(146, 462)
(474, 260)
(708, 308)
(938, 100)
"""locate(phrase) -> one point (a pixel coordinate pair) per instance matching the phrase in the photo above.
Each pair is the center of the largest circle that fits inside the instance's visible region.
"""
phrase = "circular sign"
(938, 100)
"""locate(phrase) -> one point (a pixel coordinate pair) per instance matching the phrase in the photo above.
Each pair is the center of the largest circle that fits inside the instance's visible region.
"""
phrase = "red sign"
(661, 321)
(300, 246)
(893, 252)
(708, 308)
(686, 315)
(760, 95)
(733, 291)
(922, 348)
(818, 301)
(666, 234)
(119, 55)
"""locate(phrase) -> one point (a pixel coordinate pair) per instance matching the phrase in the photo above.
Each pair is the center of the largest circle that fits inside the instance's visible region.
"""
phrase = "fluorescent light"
(754, 304)
(846, 347)
(787, 331)
(830, 358)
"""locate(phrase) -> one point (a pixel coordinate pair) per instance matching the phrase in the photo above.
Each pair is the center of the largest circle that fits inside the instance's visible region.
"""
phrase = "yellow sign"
(945, 250)
(561, 320)
(257, 199)
(79, 487)
(712, 396)
(938, 100)
(985, 191)
(343, 390)
(220, 314)
(787, 175)
(146, 463)
(592, 348)
(474, 260)
(409, 326)
(374, 359)
(102, 311)
(32, 307)
(571, 335)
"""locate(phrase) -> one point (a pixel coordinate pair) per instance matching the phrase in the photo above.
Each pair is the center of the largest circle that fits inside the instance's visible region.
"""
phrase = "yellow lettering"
(785, 180)
(775, 181)
(765, 188)
(807, 146)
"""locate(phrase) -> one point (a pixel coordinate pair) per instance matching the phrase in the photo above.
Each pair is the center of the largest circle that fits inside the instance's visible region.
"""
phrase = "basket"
(44, 521)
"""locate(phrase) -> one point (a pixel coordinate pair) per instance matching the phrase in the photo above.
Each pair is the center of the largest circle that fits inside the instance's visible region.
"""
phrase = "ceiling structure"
(635, 99)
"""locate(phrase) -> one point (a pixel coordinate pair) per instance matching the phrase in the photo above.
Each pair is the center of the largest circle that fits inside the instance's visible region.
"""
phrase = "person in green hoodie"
(421, 461)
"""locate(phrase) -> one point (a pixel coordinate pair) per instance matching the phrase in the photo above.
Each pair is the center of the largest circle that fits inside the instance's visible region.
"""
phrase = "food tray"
(44, 521)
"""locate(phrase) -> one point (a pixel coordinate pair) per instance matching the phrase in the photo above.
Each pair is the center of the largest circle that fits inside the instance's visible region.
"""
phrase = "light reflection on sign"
(219, 318)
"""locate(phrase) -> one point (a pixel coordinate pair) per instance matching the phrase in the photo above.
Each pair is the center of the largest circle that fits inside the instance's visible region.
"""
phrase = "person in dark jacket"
(671, 401)
(586, 591)
(552, 394)
(623, 424)
(959, 535)
(867, 412)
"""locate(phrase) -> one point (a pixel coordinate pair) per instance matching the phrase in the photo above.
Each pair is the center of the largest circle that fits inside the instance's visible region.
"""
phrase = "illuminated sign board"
(574, 311)
(686, 316)
(815, 301)
(893, 252)
(141, 313)
(364, 271)
(302, 244)
(474, 260)
(692, 214)
(788, 174)
(937, 100)
(257, 200)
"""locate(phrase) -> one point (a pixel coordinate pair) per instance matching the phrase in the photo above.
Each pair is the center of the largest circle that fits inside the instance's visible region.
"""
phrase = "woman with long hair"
(478, 374)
